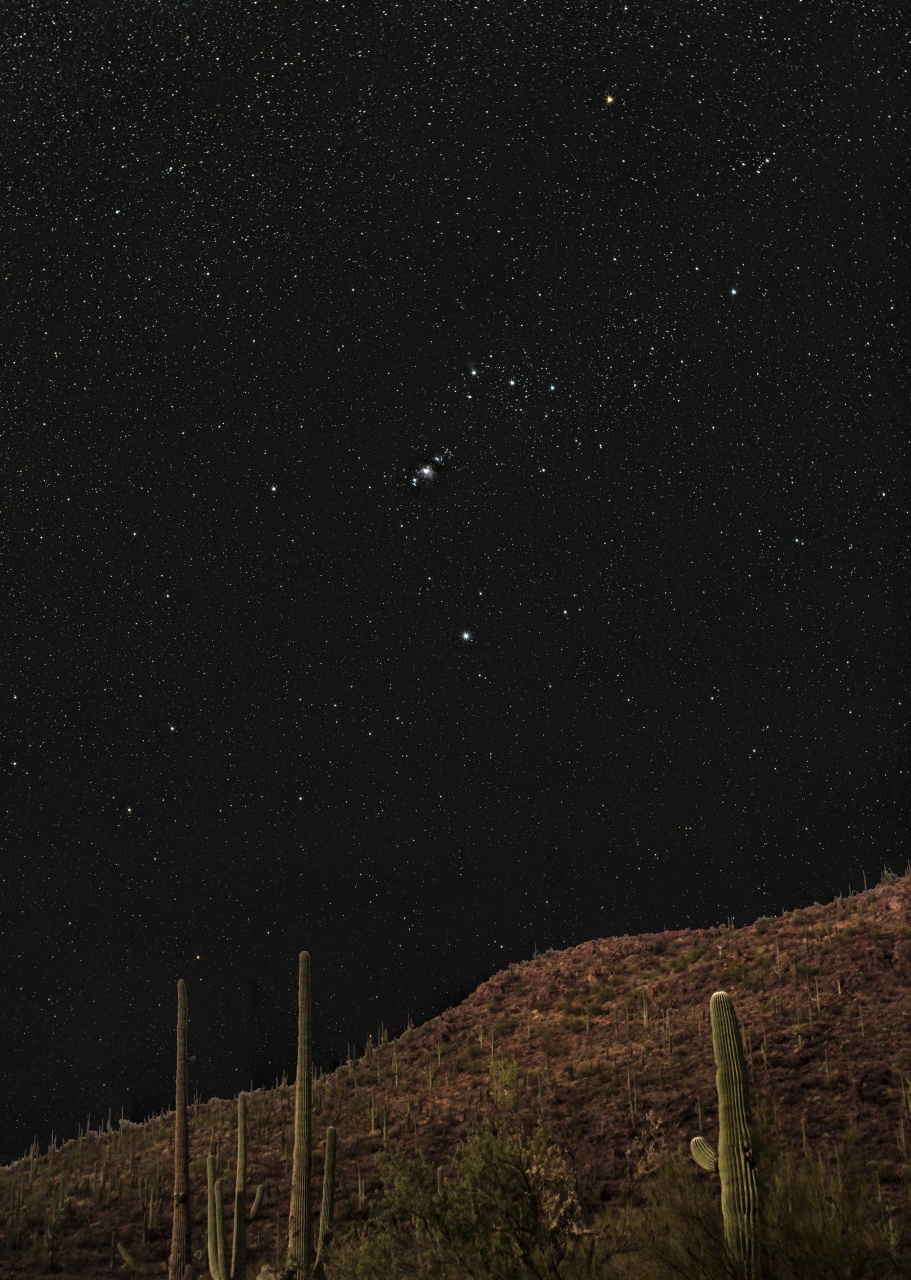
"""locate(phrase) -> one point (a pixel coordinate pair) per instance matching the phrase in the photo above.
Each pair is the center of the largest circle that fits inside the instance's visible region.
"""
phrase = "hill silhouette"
(613, 1042)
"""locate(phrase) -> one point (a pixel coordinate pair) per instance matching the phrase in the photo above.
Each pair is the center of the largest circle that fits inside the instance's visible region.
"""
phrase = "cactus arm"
(239, 1244)
(142, 1268)
(704, 1154)
(257, 1203)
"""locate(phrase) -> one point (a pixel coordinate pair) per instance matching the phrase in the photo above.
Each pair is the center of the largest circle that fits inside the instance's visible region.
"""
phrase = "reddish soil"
(612, 1037)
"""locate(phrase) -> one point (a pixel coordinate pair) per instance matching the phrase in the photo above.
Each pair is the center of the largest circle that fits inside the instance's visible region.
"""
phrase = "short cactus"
(328, 1205)
(215, 1235)
(734, 1159)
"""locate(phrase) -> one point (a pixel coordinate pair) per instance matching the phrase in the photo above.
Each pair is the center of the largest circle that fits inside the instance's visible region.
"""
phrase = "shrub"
(509, 1207)
(506, 1209)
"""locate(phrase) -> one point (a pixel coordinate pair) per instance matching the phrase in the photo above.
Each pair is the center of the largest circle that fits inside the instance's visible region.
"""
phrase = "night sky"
(451, 505)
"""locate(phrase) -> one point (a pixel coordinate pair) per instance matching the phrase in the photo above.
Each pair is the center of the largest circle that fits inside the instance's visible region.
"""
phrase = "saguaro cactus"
(299, 1227)
(180, 1258)
(328, 1206)
(179, 1266)
(215, 1236)
(241, 1214)
(734, 1159)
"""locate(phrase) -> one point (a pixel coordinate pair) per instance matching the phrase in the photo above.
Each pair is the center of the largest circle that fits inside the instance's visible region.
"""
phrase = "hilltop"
(612, 1038)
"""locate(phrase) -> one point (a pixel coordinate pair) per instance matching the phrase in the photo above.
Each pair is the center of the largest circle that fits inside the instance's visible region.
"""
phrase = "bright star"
(608, 98)
(466, 635)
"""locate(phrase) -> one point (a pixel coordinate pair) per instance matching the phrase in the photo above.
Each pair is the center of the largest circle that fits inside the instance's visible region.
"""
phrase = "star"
(608, 98)
(466, 635)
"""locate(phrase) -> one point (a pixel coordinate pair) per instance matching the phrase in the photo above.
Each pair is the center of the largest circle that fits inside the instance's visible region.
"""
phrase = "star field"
(451, 504)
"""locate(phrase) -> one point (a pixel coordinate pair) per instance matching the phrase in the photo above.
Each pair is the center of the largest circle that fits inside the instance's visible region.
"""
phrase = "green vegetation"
(507, 1206)
(735, 1159)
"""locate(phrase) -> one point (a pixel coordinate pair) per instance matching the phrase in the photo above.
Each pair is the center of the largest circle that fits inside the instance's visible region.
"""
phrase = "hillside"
(613, 1040)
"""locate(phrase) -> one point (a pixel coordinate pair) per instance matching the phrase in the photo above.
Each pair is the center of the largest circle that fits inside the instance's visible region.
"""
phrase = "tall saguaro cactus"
(180, 1259)
(179, 1266)
(734, 1159)
(299, 1226)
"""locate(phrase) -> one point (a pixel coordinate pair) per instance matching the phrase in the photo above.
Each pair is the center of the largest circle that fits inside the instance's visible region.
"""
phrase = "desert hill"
(612, 1038)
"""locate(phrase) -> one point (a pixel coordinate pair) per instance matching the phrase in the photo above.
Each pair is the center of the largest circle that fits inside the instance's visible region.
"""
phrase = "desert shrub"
(505, 1208)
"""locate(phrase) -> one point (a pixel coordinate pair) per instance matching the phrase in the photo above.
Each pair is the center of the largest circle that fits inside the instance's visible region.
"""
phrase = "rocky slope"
(612, 1037)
